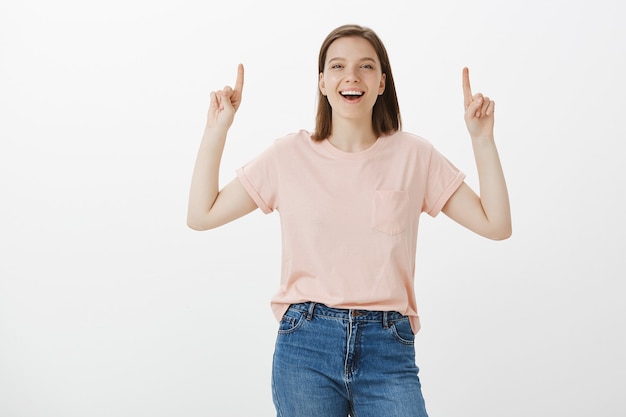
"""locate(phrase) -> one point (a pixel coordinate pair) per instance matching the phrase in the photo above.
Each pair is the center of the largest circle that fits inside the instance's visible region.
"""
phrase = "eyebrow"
(343, 59)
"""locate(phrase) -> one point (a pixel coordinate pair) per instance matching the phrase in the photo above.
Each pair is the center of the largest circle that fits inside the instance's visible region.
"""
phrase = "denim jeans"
(332, 362)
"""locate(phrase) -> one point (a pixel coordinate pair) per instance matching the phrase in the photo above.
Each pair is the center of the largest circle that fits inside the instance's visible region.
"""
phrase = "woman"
(349, 196)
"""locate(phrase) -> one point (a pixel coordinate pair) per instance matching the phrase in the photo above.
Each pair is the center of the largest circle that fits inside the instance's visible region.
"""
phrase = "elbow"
(195, 226)
(196, 223)
(502, 236)
(501, 233)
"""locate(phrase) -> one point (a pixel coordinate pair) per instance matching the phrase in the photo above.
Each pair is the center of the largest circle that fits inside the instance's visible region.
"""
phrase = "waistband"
(312, 309)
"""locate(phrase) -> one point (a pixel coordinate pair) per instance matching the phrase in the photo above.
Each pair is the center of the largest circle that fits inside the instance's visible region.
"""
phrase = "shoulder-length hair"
(386, 113)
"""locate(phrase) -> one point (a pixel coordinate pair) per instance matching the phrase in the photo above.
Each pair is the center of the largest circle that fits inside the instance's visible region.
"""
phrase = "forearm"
(205, 179)
(494, 195)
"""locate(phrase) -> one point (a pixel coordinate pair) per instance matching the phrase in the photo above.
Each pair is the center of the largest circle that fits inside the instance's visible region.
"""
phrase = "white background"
(111, 307)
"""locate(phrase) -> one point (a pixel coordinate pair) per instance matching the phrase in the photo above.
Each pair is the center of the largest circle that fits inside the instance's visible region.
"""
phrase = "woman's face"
(352, 79)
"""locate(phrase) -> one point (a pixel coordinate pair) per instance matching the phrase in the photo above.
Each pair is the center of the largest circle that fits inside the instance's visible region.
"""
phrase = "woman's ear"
(381, 88)
(322, 85)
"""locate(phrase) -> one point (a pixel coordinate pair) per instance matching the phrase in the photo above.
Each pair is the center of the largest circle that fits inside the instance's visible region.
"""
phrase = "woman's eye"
(367, 66)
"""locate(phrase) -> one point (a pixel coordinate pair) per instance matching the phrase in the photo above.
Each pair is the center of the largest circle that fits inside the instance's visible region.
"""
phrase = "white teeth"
(351, 93)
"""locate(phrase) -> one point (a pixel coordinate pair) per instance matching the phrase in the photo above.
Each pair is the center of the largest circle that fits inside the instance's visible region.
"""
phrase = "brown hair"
(386, 112)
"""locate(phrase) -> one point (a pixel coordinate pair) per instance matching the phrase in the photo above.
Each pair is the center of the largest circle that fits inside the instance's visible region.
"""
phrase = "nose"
(352, 74)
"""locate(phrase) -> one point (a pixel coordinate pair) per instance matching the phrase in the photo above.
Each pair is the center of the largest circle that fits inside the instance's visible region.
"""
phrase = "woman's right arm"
(208, 206)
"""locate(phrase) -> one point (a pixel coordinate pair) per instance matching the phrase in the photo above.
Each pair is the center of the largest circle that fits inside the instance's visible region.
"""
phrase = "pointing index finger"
(239, 82)
(467, 89)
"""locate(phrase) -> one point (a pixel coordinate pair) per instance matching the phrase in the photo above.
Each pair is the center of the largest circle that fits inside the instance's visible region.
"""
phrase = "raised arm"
(208, 206)
(487, 214)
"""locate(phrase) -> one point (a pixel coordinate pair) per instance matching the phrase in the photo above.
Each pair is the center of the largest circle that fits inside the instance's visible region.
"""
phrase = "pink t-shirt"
(349, 220)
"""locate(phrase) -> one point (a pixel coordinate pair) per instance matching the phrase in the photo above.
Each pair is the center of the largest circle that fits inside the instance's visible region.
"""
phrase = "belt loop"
(385, 320)
(309, 313)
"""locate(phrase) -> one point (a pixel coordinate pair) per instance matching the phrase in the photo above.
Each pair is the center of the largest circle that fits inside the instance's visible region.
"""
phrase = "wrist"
(214, 134)
(483, 139)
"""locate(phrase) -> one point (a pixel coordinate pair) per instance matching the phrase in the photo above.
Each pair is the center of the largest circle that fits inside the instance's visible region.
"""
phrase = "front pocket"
(390, 211)
(403, 332)
(291, 320)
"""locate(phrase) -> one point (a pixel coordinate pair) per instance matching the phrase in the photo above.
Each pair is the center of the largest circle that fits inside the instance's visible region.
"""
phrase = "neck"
(352, 137)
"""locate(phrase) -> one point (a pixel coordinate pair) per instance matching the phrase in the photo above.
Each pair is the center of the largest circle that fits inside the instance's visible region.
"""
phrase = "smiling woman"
(351, 80)
(368, 54)
(350, 196)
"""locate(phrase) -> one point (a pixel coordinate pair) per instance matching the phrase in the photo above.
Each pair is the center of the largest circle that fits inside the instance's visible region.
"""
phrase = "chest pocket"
(390, 211)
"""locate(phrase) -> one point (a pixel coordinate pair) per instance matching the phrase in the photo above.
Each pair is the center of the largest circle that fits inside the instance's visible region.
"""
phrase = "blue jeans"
(331, 362)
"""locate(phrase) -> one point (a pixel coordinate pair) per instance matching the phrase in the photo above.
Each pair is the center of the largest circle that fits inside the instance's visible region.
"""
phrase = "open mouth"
(351, 95)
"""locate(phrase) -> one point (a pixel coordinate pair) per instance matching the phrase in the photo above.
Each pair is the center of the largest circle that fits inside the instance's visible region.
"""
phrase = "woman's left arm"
(489, 213)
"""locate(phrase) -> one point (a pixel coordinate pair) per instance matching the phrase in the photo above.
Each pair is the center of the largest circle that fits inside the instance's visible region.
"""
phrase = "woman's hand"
(210, 207)
(489, 213)
(478, 110)
(224, 103)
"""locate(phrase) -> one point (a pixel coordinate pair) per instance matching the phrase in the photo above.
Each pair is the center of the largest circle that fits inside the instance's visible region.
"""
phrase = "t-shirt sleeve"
(443, 180)
(259, 178)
